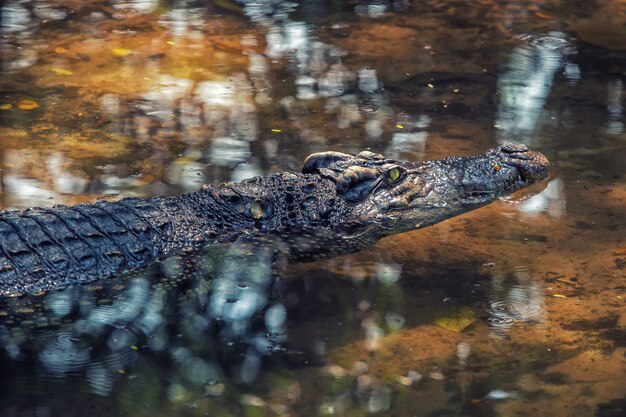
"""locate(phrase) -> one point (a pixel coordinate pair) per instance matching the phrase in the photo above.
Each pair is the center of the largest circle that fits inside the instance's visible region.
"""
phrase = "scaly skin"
(339, 203)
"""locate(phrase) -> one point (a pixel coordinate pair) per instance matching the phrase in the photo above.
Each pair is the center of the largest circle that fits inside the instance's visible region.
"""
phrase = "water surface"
(515, 309)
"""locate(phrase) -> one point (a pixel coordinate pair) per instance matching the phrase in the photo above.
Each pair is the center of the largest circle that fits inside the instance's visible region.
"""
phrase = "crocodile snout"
(532, 165)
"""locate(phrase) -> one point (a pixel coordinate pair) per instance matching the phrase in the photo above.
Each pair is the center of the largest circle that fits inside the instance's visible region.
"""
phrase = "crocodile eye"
(256, 210)
(496, 167)
(394, 174)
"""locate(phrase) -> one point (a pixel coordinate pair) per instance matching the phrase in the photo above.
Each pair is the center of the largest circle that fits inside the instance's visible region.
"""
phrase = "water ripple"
(519, 302)
(65, 353)
(551, 41)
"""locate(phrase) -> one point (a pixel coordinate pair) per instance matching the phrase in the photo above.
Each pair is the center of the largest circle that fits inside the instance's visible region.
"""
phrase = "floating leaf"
(228, 5)
(61, 71)
(399, 126)
(276, 130)
(455, 319)
(60, 50)
(121, 51)
(6, 106)
(27, 105)
(544, 16)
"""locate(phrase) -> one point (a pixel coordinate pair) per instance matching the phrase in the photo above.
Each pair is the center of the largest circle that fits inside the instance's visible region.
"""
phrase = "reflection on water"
(100, 331)
(550, 200)
(411, 136)
(527, 80)
(615, 125)
(493, 313)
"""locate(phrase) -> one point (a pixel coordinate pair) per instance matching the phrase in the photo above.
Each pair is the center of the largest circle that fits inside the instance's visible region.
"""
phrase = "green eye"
(256, 210)
(394, 174)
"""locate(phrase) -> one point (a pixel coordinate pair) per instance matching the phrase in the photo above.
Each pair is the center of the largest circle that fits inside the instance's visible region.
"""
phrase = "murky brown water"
(516, 309)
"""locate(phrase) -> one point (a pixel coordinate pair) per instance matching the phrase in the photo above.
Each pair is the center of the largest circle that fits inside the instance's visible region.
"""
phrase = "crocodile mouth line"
(511, 186)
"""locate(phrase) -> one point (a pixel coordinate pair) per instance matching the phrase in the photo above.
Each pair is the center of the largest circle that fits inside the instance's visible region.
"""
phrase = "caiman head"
(385, 196)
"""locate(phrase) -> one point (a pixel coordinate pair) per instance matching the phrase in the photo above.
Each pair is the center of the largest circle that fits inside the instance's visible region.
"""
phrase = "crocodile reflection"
(101, 330)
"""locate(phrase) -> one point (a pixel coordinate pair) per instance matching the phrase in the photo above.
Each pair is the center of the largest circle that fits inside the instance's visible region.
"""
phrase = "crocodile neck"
(283, 204)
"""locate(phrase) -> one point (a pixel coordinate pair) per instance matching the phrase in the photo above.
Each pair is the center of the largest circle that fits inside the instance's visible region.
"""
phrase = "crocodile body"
(340, 203)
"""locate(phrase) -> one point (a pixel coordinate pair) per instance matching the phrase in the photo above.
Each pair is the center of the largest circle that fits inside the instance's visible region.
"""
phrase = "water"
(517, 308)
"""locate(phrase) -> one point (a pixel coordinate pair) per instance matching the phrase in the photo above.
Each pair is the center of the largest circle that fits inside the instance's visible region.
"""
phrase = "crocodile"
(338, 203)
